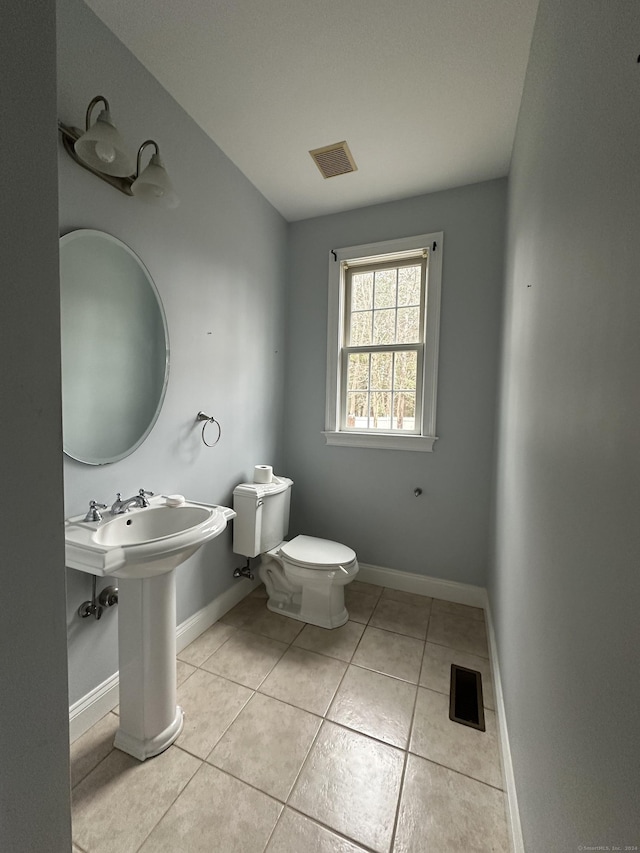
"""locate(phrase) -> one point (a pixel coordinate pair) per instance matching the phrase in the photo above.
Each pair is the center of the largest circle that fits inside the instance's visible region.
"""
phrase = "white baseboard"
(461, 593)
(191, 628)
(87, 711)
(513, 814)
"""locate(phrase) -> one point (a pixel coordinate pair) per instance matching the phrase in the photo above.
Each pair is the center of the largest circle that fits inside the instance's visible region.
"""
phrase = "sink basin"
(157, 522)
(144, 542)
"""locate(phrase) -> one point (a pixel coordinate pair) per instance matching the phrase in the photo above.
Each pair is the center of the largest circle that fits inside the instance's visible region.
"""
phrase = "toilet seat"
(309, 552)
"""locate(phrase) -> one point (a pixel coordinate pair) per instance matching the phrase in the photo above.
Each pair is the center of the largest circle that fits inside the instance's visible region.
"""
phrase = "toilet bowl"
(305, 579)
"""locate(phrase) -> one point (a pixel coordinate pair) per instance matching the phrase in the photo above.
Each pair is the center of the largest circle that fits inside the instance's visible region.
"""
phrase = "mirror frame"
(97, 459)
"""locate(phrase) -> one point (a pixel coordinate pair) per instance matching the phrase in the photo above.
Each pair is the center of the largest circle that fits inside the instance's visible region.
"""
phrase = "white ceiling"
(425, 92)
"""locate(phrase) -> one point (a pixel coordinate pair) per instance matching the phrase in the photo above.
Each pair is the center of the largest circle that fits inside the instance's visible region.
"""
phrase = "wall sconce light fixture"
(152, 184)
(100, 150)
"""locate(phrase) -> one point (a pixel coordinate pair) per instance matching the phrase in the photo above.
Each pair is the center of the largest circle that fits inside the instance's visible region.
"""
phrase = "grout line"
(275, 826)
(455, 649)
(459, 772)
(240, 710)
(354, 731)
(304, 762)
(95, 767)
(406, 761)
(188, 751)
(171, 804)
(244, 782)
(241, 683)
(285, 803)
(386, 674)
(290, 645)
(399, 803)
(332, 829)
(362, 734)
(283, 702)
(184, 680)
(446, 693)
(225, 678)
(217, 649)
(398, 633)
(317, 735)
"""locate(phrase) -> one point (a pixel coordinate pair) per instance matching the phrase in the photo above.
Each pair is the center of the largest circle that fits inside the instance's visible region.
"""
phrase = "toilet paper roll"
(262, 474)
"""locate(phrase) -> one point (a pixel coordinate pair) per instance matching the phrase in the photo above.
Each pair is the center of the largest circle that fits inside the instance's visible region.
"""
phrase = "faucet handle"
(143, 497)
(94, 511)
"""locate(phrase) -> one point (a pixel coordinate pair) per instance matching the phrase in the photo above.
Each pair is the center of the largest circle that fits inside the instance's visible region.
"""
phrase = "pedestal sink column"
(149, 719)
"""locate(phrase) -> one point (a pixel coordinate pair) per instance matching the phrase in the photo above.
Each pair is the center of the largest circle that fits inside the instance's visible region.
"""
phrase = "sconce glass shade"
(102, 148)
(153, 185)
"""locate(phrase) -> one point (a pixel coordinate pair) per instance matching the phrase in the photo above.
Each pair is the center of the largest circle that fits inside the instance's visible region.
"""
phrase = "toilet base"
(305, 594)
(292, 609)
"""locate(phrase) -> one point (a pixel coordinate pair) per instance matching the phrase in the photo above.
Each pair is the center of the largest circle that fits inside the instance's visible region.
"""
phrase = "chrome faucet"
(140, 500)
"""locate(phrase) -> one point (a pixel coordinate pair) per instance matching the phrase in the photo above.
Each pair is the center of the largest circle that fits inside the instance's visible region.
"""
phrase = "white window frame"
(374, 252)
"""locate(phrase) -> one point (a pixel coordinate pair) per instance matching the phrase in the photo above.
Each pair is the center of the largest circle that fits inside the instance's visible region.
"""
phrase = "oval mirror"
(115, 348)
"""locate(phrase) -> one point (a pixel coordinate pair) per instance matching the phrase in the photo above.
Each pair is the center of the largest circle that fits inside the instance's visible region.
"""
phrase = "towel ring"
(208, 419)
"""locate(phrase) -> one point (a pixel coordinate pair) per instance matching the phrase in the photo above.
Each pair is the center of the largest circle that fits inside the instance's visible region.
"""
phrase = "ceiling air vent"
(334, 160)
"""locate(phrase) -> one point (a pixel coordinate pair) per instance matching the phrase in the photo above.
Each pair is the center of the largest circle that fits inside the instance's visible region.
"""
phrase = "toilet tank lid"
(261, 490)
(312, 551)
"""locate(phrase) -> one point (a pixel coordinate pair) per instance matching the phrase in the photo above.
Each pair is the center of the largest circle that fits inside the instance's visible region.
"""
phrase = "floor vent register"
(465, 697)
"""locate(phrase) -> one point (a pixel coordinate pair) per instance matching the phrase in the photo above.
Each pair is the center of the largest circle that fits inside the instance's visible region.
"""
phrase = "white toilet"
(305, 578)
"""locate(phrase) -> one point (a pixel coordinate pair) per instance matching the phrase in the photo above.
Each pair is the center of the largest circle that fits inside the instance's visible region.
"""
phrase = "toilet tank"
(262, 515)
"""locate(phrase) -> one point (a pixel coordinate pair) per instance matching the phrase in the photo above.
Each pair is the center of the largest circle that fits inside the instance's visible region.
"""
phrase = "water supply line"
(108, 598)
(244, 571)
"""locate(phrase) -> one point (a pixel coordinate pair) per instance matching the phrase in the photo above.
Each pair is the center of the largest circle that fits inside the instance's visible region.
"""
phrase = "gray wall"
(364, 497)
(218, 261)
(565, 585)
(34, 727)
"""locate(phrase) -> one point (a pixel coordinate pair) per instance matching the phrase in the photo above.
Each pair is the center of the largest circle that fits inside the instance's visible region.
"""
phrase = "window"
(384, 307)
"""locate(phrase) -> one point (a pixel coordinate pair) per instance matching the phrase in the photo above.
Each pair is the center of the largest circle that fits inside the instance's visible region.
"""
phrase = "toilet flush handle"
(342, 568)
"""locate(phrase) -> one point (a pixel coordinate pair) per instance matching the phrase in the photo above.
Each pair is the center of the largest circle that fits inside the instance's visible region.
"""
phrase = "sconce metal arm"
(92, 104)
(141, 149)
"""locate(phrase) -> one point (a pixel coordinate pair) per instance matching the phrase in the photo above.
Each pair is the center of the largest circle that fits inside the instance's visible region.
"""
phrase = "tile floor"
(302, 740)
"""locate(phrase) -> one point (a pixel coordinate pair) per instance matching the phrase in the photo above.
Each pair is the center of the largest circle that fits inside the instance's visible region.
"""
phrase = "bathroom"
(233, 278)
(222, 274)
(245, 298)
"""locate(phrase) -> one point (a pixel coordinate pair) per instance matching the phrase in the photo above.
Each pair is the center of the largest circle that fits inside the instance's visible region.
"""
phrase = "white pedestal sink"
(142, 548)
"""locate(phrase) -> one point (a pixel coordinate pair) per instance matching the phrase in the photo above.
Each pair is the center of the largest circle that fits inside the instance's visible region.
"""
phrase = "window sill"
(381, 441)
